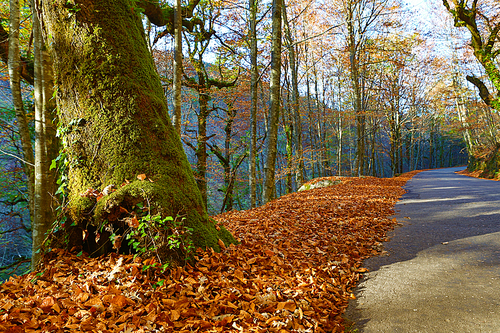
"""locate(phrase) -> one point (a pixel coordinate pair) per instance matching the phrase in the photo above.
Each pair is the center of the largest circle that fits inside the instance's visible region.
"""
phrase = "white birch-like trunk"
(41, 200)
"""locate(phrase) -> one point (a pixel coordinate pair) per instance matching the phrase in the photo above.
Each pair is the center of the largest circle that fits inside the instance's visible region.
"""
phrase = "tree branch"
(163, 16)
(483, 90)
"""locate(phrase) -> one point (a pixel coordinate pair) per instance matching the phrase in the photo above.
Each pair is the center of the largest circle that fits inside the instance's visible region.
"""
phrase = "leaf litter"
(299, 259)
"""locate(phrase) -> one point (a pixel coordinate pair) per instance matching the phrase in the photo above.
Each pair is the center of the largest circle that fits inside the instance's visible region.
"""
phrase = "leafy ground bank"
(299, 258)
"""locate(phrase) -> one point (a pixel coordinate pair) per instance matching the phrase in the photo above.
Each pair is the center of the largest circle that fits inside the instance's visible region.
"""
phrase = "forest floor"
(477, 174)
(299, 259)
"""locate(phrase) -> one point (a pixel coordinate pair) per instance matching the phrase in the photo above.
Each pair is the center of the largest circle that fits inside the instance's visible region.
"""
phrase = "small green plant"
(166, 239)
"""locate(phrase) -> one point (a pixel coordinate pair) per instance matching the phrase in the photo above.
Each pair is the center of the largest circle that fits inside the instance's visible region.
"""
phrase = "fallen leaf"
(222, 245)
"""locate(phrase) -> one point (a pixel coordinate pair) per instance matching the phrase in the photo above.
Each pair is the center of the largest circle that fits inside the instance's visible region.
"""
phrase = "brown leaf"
(117, 242)
(119, 300)
(221, 244)
(47, 303)
(174, 315)
(132, 222)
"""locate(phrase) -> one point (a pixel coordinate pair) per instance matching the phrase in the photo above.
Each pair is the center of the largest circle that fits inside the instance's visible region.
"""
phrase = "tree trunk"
(14, 65)
(177, 85)
(201, 147)
(114, 121)
(354, 69)
(295, 101)
(252, 180)
(274, 110)
(41, 211)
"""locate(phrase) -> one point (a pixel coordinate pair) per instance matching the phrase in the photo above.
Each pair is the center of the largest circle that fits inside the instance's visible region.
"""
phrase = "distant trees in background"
(358, 97)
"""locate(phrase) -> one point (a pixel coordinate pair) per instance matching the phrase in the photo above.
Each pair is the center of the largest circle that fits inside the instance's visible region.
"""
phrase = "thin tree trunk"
(295, 101)
(252, 180)
(176, 119)
(274, 110)
(41, 223)
(201, 148)
(14, 65)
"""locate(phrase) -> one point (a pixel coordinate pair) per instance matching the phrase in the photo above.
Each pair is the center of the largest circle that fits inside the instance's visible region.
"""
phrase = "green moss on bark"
(106, 76)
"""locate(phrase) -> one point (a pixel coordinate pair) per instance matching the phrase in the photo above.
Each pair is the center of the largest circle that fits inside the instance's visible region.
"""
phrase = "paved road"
(443, 269)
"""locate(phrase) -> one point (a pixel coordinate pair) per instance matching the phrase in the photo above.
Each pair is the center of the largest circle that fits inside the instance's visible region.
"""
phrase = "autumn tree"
(482, 20)
(202, 82)
(114, 122)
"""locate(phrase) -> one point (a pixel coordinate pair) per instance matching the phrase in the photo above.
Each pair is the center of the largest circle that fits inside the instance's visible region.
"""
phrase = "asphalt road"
(442, 273)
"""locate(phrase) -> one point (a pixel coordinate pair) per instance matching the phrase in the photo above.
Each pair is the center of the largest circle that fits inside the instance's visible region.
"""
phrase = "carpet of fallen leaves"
(299, 258)
(477, 174)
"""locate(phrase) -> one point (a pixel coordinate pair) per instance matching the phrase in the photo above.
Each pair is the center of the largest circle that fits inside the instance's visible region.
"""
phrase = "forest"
(126, 118)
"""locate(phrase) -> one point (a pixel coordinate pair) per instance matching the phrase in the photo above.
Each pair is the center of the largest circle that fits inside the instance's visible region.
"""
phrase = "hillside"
(299, 258)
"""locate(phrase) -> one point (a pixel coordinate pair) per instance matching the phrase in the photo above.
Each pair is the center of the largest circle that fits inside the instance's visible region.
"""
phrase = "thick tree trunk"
(114, 118)
(274, 110)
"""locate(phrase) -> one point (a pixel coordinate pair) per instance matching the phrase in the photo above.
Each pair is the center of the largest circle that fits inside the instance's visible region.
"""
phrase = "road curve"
(442, 273)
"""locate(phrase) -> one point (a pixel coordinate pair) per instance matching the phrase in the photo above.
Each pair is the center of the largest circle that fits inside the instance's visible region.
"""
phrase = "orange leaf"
(239, 275)
(174, 315)
(47, 303)
(132, 222)
(222, 245)
(141, 176)
(119, 300)
(269, 252)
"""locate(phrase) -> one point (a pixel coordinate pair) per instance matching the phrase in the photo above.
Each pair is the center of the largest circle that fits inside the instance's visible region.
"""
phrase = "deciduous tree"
(113, 117)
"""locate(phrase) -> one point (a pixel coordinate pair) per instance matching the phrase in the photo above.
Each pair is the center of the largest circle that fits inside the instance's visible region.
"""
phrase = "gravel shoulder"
(442, 273)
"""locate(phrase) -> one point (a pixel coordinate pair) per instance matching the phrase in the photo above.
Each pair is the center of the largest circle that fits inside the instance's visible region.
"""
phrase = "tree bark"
(274, 110)
(114, 121)
(177, 85)
(252, 180)
(15, 65)
(41, 216)
(295, 101)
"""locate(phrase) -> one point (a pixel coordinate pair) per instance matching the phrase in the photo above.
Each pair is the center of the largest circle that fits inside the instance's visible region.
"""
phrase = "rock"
(319, 184)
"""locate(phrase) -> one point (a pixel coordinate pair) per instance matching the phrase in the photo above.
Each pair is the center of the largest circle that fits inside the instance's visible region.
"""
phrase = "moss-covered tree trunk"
(113, 116)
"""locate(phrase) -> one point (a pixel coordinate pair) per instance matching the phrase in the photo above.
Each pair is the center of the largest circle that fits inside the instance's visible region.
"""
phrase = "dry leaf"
(222, 245)
(141, 176)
